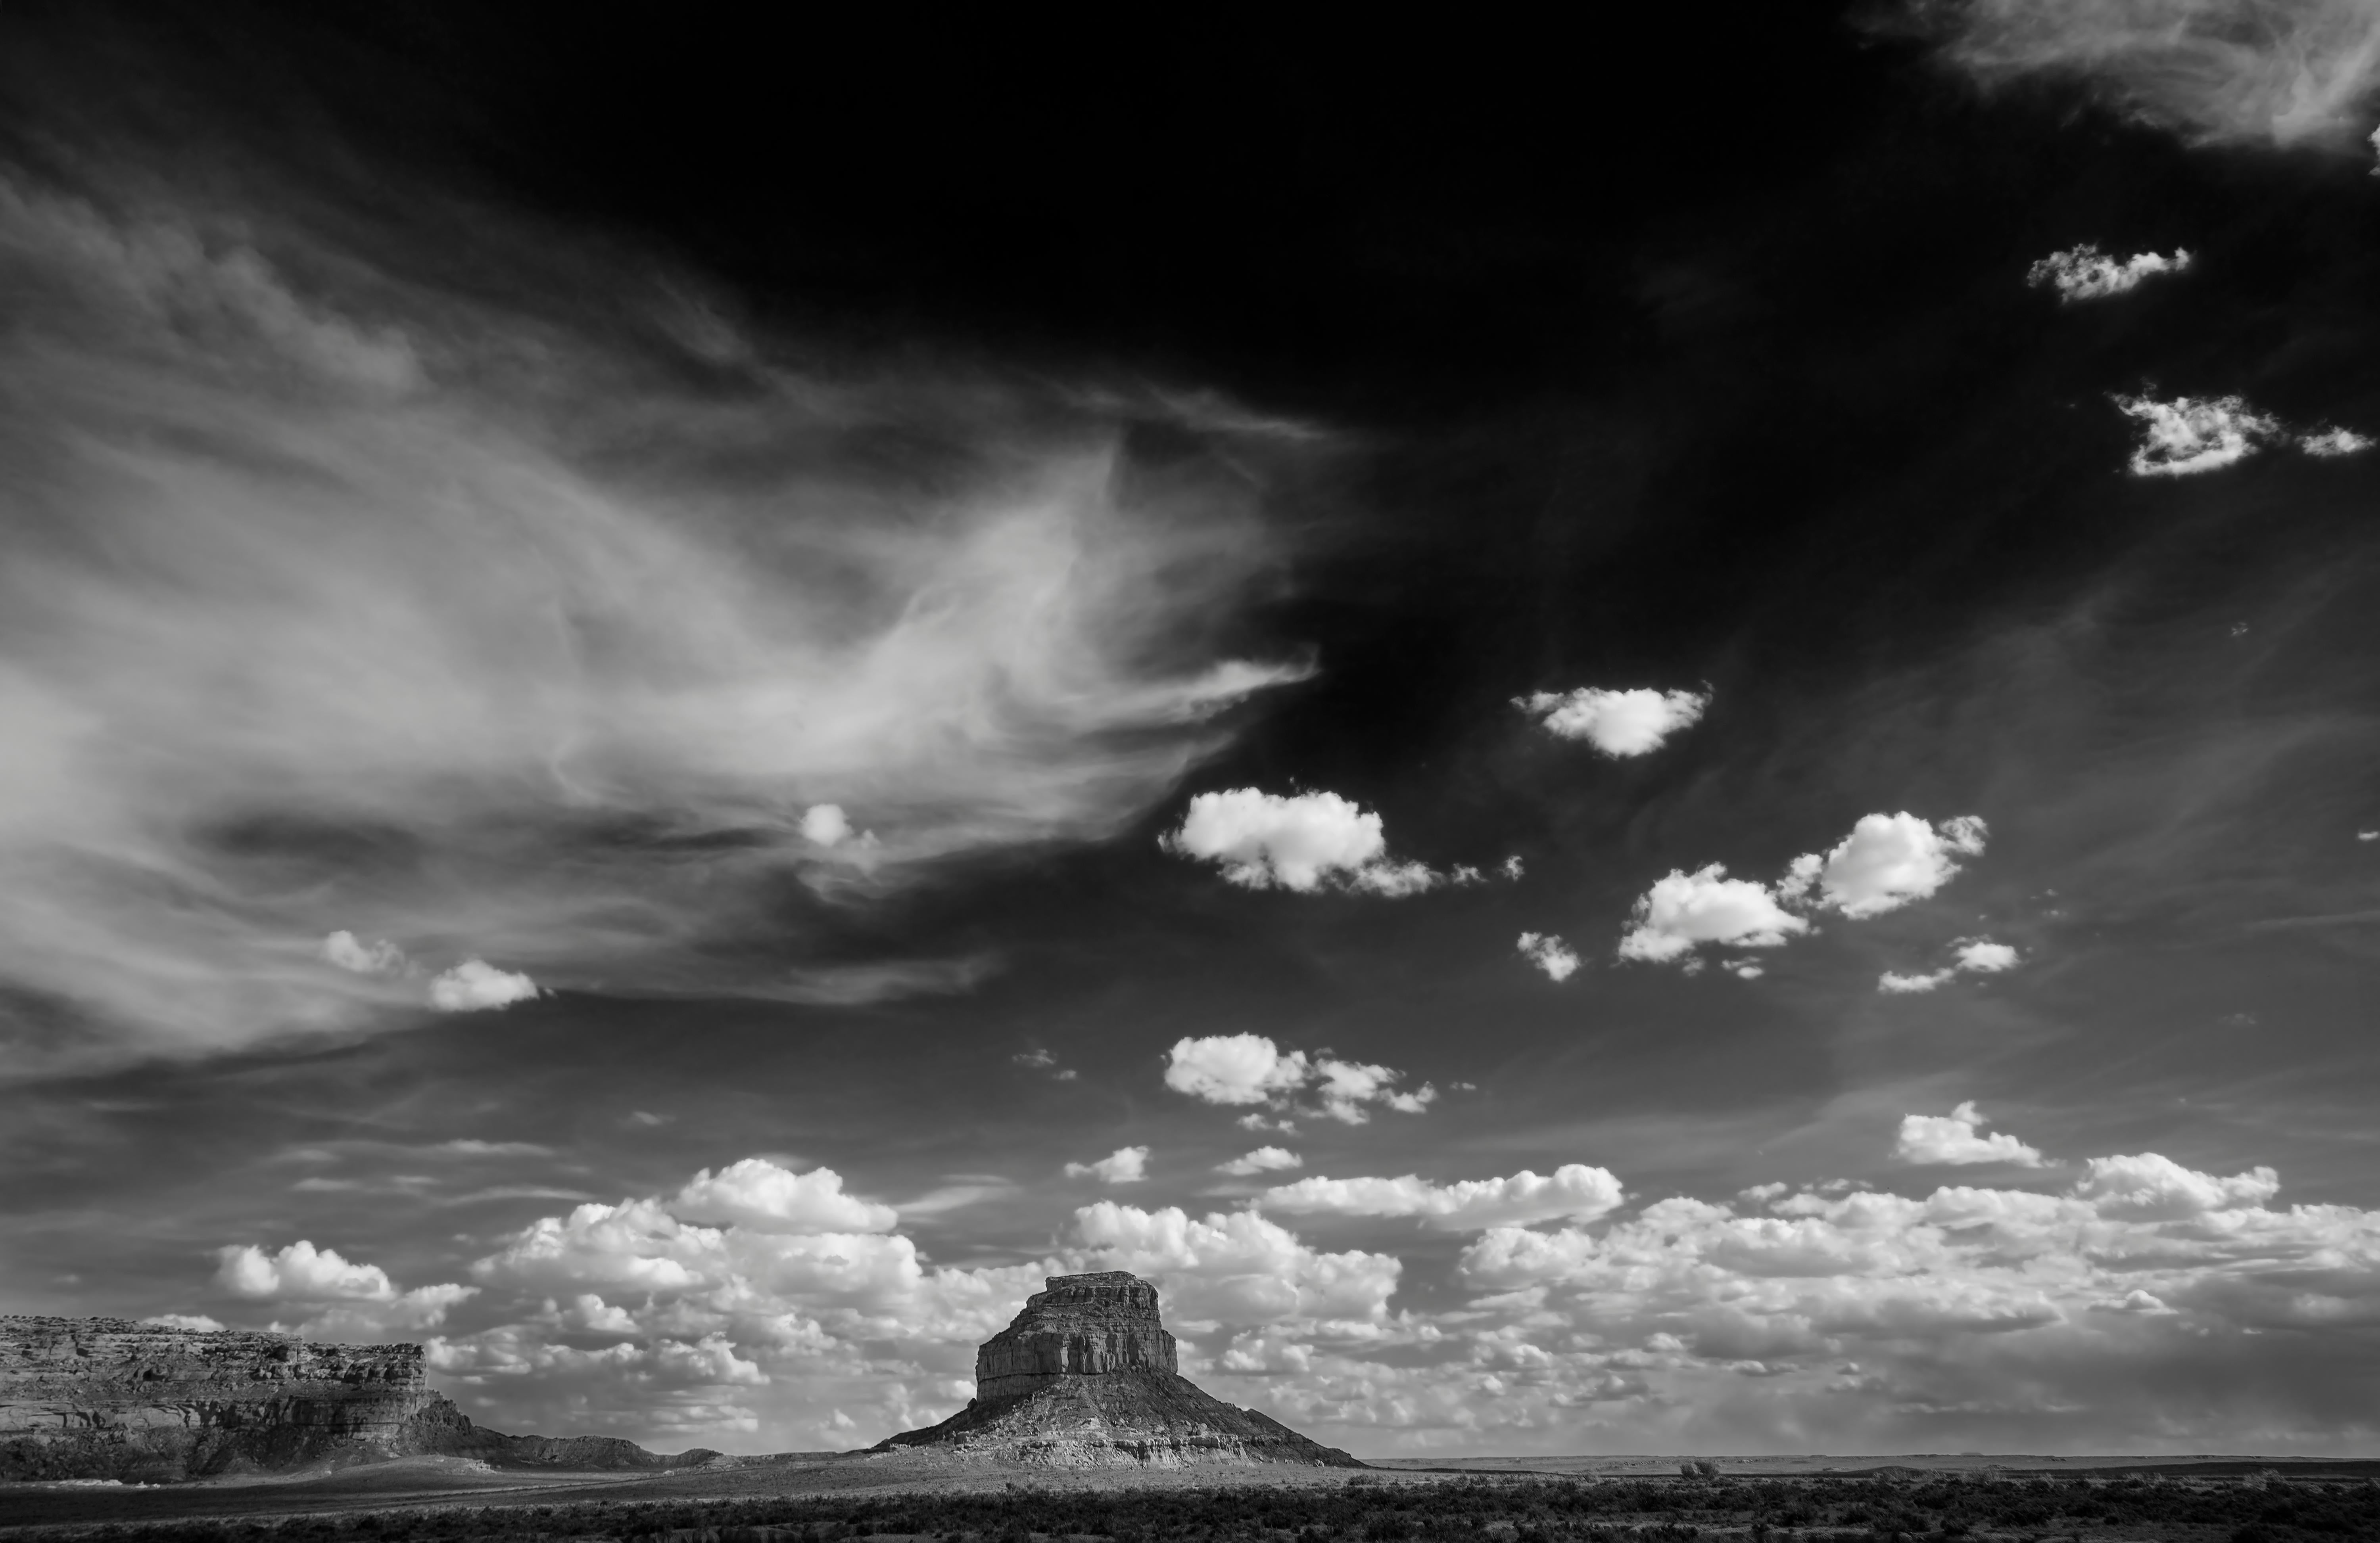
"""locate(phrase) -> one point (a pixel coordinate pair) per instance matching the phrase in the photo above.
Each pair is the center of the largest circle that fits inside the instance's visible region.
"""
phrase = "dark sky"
(1654, 741)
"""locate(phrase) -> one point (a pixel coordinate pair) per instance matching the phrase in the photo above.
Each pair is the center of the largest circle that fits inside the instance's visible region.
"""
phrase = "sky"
(1653, 742)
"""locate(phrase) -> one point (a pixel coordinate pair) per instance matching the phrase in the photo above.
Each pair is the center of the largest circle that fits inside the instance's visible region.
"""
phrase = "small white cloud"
(1303, 842)
(1745, 969)
(476, 985)
(2327, 442)
(1975, 955)
(1261, 1122)
(301, 1271)
(825, 825)
(1618, 723)
(1956, 1140)
(2189, 435)
(194, 1323)
(1886, 862)
(2151, 1187)
(1512, 868)
(1685, 909)
(1345, 1087)
(350, 953)
(1550, 955)
(2087, 273)
(2368, 836)
(762, 1197)
(1981, 955)
(1123, 1166)
(1249, 1068)
(1573, 1191)
(1042, 1060)
(1264, 1160)
(1234, 1068)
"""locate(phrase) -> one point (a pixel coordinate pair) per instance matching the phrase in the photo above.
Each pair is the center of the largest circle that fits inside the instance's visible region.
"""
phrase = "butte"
(1087, 1378)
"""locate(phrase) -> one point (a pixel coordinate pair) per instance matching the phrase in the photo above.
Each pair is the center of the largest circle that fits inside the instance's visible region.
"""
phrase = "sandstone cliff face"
(1086, 1377)
(104, 1398)
(1082, 1324)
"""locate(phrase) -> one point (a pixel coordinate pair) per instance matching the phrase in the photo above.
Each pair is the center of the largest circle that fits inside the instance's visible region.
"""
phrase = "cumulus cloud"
(1264, 1160)
(1956, 1140)
(1250, 1069)
(2274, 72)
(1304, 842)
(2189, 435)
(1573, 1191)
(2153, 1187)
(353, 955)
(1123, 1166)
(1975, 955)
(1238, 1268)
(1683, 911)
(1982, 955)
(476, 986)
(334, 605)
(2087, 273)
(1549, 954)
(1974, 1306)
(825, 825)
(344, 1300)
(1234, 1068)
(1888, 862)
(2329, 442)
(300, 1270)
(1618, 723)
(764, 1196)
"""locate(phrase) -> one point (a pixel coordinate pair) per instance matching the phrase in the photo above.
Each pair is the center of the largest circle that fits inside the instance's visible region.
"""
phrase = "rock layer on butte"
(105, 1398)
(1086, 1377)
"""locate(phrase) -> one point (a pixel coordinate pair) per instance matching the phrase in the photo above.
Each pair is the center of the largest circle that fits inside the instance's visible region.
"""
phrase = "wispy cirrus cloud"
(459, 625)
(2274, 72)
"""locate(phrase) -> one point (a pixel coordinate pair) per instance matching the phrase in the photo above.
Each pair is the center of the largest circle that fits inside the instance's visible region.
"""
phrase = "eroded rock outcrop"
(1086, 1377)
(105, 1398)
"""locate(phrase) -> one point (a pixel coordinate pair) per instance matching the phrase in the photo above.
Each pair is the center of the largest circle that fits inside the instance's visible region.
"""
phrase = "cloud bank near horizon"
(2134, 1300)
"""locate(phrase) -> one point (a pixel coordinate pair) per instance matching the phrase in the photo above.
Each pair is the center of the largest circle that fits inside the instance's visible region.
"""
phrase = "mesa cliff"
(106, 1398)
(1087, 1377)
